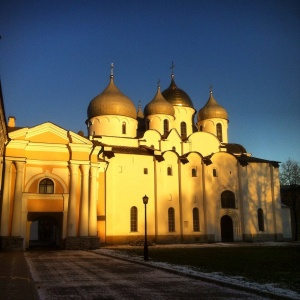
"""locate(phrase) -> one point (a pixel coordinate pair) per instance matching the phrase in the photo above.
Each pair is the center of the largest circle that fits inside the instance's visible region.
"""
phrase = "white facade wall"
(111, 125)
(184, 114)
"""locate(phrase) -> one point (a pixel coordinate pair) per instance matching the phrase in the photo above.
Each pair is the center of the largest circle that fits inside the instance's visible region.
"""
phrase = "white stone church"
(61, 188)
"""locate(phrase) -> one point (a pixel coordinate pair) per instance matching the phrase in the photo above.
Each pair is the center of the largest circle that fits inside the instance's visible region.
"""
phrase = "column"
(17, 209)
(84, 208)
(5, 201)
(72, 220)
(93, 202)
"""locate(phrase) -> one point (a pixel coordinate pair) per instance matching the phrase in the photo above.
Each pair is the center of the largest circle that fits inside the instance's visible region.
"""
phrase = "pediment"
(48, 133)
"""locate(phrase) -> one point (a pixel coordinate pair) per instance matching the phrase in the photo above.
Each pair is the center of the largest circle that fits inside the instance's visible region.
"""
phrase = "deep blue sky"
(55, 57)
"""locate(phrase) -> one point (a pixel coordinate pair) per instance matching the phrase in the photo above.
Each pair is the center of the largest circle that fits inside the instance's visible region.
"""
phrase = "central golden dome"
(159, 105)
(111, 102)
(176, 96)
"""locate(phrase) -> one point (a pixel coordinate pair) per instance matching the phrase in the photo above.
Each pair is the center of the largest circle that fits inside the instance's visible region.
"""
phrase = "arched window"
(147, 124)
(169, 171)
(196, 224)
(201, 128)
(219, 132)
(171, 219)
(166, 127)
(124, 128)
(194, 172)
(228, 199)
(46, 186)
(183, 130)
(260, 218)
(133, 218)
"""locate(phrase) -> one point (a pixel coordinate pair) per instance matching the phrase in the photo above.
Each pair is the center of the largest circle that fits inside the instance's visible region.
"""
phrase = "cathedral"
(64, 189)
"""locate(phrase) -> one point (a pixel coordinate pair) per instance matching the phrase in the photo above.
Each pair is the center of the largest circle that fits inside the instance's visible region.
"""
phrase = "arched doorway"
(45, 230)
(226, 229)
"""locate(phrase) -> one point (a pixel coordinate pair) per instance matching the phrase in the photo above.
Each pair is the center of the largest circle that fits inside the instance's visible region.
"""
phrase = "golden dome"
(176, 96)
(159, 105)
(212, 109)
(111, 102)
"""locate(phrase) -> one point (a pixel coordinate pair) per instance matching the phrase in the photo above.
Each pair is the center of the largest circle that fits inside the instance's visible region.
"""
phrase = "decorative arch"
(51, 176)
(236, 223)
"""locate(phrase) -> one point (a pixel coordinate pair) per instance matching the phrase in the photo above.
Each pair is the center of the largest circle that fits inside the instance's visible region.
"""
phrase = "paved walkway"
(15, 280)
(91, 275)
(87, 275)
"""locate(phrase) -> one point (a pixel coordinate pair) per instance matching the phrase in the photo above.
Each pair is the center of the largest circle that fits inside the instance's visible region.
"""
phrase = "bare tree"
(290, 186)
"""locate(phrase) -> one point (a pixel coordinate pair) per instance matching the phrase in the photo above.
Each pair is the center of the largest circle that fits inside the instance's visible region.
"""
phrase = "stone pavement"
(15, 279)
(89, 275)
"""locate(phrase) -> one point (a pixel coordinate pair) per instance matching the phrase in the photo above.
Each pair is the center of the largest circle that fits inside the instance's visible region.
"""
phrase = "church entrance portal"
(226, 229)
(45, 230)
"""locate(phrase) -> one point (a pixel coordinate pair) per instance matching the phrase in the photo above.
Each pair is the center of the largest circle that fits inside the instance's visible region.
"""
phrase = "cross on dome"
(172, 67)
(111, 70)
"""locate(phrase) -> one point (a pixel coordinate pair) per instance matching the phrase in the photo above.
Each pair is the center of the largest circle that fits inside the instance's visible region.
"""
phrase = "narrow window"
(145, 170)
(133, 219)
(215, 174)
(196, 225)
(183, 130)
(123, 128)
(194, 172)
(219, 132)
(227, 199)
(171, 219)
(46, 186)
(260, 217)
(169, 171)
(147, 124)
(166, 127)
(201, 128)
(174, 148)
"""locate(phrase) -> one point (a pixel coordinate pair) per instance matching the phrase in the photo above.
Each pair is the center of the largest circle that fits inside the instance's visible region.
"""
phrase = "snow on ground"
(239, 282)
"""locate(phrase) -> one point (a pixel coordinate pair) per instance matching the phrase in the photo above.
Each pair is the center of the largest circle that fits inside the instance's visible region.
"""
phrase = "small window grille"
(171, 219)
(46, 186)
(196, 223)
(227, 199)
(133, 219)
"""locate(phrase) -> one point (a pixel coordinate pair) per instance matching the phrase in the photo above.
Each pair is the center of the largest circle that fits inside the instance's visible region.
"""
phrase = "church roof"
(212, 109)
(176, 96)
(111, 102)
(235, 148)
(245, 160)
(159, 105)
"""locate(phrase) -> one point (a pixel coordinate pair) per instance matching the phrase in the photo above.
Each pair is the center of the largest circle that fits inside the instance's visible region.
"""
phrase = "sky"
(55, 58)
